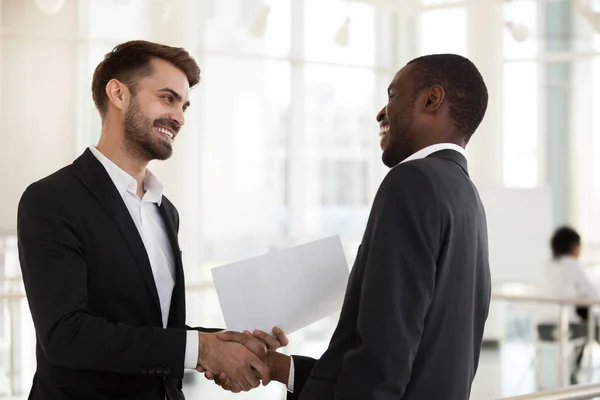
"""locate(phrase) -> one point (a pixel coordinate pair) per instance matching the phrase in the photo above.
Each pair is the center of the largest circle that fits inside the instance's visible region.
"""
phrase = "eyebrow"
(177, 96)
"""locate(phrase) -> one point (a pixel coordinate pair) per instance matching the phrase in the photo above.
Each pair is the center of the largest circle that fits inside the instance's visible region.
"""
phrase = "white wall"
(38, 110)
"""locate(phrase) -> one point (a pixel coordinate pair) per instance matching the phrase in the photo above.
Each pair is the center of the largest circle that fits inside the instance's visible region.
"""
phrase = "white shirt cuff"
(290, 385)
(191, 350)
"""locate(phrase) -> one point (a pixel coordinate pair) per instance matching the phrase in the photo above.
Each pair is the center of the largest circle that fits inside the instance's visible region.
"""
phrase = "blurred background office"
(280, 145)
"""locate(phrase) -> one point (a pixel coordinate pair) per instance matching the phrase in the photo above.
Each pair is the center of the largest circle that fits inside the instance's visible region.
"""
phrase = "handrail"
(563, 322)
(546, 299)
(190, 288)
(496, 295)
(578, 392)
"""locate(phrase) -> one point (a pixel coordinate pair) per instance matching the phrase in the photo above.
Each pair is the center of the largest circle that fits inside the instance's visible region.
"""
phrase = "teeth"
(165, 132)
(384, 130)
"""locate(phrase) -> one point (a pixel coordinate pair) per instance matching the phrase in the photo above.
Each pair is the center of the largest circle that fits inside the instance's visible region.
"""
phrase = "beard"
(139, 139)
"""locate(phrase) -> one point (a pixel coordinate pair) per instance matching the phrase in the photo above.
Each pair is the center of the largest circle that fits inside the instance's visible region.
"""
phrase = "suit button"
(144, 370)
(151, 370)
(167, 370)
(159, 370)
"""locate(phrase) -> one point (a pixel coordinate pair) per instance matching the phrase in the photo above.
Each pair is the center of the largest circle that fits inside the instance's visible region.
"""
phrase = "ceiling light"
(518, 31)
(258, 26)
(50, 7)
(342, 36)
(588, 13)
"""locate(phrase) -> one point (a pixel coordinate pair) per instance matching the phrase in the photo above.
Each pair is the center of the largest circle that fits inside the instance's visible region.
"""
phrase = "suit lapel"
(95, 178)
(176, 317)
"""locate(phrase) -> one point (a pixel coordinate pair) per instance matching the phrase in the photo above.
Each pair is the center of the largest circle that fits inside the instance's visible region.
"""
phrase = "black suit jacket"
(412, 321)
(92, 294)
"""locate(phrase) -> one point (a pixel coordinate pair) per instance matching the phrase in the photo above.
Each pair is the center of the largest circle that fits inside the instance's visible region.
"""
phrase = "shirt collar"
(127, 183)
(424, 152)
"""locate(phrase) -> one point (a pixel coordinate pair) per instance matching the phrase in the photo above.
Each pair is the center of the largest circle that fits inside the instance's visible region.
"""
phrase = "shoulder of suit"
(410, 178)
(413, 170)
(54, 186)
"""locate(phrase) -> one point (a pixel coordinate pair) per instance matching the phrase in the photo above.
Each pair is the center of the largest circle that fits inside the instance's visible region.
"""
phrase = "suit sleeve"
(205, 330)
(397, 287)
(55, 277)
(303, 366)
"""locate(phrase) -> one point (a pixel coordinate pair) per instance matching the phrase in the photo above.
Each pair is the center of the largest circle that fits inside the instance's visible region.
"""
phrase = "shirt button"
(167, 370)
(159, 370)
(151, 370)
(144, 370)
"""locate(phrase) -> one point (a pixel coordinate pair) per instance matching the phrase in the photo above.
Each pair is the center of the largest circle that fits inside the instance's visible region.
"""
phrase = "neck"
(112, 146)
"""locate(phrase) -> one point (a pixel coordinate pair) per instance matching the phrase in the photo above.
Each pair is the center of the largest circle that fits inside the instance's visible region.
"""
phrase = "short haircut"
(563, 241)
(130, 61)
(465, 89)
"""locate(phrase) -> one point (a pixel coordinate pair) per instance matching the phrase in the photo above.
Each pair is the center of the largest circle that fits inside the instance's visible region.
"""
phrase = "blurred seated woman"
(566, 278)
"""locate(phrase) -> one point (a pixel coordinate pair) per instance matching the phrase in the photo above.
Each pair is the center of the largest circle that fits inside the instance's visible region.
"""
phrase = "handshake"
(240, 361)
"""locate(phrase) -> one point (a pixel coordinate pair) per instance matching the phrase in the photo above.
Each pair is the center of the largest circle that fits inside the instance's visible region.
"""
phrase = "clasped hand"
(238, 361)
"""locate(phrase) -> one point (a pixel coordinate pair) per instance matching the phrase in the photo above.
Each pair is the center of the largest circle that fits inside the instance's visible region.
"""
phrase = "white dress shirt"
(415, 156)
(151, 227)
(565, 277)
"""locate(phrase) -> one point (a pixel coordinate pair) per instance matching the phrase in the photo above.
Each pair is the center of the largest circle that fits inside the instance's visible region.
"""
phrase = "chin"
(389, 159)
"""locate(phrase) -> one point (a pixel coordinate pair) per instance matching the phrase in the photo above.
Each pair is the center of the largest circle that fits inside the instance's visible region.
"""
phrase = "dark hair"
(465, 89)
(130, 61)
(563, 241)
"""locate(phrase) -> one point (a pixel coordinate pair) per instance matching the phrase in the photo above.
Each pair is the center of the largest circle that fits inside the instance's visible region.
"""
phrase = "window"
(524, 14)
(246, 26)
(340, 129)
(521, 124)
(114, 20)
(325, 29)
(244, 156)
(451, 21)
(585, 152)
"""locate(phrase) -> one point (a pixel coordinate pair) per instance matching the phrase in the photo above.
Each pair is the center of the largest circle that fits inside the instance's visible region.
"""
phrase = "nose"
(178, 117)
(381, 115)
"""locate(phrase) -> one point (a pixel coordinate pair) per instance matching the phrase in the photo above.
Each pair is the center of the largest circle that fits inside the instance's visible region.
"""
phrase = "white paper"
(289, 289)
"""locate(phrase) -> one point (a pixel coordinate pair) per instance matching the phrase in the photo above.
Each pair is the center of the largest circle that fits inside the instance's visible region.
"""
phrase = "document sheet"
(290, 289)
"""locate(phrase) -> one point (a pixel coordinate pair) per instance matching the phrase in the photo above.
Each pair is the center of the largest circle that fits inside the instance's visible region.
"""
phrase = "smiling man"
(412, 321)
(99, 251)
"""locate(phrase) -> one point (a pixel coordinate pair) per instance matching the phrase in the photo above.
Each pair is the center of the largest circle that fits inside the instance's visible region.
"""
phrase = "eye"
(391, 96)
(168, 98)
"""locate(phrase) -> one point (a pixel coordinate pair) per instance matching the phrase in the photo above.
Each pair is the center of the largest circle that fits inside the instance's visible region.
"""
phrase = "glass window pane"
(594, 233)
(118, 20)
(340, 130)
(324, 31)
(585, 128)
(440, 2)
(451, 21)
(523, 14)
(244, 156)
(521, 124)
(246, 26)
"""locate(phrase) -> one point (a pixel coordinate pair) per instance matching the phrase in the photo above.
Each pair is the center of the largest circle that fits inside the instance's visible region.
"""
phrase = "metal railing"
(564, 304)
(567, 393)
(10, 296)
(580, 392)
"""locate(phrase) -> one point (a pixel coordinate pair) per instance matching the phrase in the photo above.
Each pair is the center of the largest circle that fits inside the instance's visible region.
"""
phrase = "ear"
(435, 98)
(118, 94)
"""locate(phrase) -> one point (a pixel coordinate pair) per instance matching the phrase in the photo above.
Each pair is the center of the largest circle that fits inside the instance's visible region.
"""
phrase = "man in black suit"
(412, 321)
(100, 256)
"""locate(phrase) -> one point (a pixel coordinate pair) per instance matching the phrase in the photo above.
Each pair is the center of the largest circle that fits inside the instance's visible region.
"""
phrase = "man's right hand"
(278, 364)
(241, 366)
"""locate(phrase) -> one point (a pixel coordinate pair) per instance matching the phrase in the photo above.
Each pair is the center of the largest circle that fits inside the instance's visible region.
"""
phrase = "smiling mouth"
(384, 130)
(166, 132)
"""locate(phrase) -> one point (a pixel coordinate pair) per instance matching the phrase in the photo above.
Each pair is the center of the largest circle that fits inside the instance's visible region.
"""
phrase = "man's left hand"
(253, 343)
